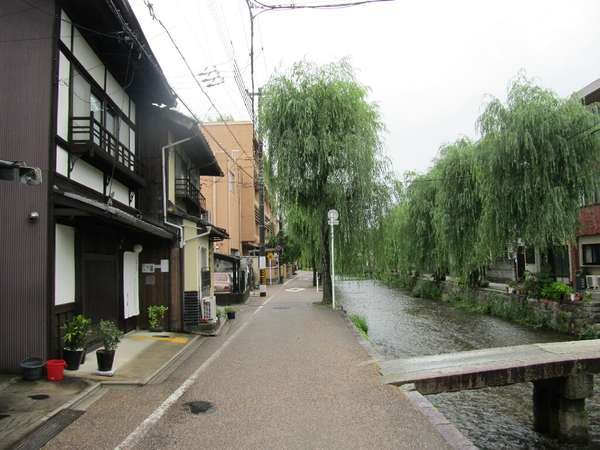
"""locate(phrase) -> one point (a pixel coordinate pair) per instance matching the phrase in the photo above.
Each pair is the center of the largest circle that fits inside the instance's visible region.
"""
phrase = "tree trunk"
(314, 268)
(325, 263)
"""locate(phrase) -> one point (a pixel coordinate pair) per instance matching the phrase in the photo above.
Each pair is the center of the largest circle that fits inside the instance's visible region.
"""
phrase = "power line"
(155, 17)
(265, 6)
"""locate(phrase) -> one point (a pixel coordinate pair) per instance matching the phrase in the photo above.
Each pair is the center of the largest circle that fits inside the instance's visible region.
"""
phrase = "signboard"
(164, 265)
(262, 262)
(147, 268)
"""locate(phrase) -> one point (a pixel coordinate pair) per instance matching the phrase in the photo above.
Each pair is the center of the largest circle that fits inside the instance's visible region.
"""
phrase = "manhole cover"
(200, 407)
(281, 307)
(39, 397)
(4, 416)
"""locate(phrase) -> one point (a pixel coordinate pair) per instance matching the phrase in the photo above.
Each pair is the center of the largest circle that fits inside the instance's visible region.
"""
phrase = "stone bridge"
(561, 373)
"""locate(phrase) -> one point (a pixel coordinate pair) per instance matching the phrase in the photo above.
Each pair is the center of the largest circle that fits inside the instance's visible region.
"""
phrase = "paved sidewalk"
(294, 377)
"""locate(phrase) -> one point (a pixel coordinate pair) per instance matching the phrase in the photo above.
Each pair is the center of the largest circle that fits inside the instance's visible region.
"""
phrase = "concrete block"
(578, 386)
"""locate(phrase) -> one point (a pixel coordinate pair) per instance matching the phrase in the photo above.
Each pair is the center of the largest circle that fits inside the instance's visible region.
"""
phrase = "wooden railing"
(185, 189)
(89, 130)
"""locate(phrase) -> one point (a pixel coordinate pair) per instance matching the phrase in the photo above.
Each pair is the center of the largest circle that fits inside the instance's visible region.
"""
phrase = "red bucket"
(56, 369)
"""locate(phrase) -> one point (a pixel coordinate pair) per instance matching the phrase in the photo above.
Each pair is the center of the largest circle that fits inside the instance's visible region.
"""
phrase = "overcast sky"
(430, 65)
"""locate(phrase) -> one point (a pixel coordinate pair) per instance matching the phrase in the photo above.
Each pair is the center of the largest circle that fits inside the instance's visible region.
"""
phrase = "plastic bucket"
(55, 369)
(32, 368)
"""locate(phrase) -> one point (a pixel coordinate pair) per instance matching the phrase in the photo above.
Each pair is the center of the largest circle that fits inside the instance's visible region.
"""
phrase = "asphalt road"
(287, 374)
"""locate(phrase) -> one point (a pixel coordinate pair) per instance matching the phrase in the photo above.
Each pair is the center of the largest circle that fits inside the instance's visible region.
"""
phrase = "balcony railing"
(91, 138)
(186, 190)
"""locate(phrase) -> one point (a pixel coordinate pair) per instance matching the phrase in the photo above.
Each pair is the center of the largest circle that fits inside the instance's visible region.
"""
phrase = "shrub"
(110, 334)
(156, 313)
(360, 323)
(427, 289)
(556, 290)
(76, 332)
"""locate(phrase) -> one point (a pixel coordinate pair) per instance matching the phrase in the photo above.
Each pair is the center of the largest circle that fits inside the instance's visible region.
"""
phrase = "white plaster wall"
(121, 192)
(62, 161)
(65, 29)
(64, 267)
(88, 59)
(131, 111)
(116, 93)
(62, 119)
(88, 175)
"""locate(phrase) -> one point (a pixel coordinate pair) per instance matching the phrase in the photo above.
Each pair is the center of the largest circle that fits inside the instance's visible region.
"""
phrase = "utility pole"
(258, 154)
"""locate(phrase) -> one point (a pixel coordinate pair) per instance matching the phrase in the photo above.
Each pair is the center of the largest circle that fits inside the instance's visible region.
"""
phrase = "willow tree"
(457, 209)
(425, 252)
(323, 142)
(537, 158)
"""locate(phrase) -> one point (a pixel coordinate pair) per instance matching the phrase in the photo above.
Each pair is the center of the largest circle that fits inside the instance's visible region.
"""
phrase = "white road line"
(136, 435)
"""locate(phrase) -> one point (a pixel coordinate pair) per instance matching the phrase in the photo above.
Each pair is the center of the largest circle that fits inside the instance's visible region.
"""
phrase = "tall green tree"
(323, 139)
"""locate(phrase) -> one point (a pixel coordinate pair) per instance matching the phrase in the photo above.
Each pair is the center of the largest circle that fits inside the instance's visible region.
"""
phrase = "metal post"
(332, 271)
(317, 281)
(332, 218)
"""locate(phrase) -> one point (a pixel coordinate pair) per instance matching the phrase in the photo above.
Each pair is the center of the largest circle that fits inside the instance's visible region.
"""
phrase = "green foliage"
(110, 334)
(523, 181)
(220, 312)
(156, 314)
(556, 290)
(229, 309)
(324, 151)
(360, 323)
(589, 332)
(76, 331)
(427, 289)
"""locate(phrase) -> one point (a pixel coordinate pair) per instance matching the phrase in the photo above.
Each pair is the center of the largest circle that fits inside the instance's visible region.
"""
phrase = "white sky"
(430, 64)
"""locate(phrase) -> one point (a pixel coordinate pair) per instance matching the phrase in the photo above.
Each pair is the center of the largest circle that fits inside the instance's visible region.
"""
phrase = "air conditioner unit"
(592, 281)
(209, 309)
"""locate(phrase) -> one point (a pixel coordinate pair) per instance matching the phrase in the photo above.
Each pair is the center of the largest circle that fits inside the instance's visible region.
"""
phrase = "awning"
(97, 208)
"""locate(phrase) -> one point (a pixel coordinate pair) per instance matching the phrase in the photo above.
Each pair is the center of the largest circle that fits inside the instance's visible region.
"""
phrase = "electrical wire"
(317, 6)
(184, 59)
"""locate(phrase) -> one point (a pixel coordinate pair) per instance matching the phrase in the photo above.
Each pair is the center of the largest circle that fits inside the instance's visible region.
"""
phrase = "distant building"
(232, 201)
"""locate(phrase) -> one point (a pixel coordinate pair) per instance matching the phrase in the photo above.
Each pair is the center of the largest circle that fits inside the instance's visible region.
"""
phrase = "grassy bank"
(360, 323)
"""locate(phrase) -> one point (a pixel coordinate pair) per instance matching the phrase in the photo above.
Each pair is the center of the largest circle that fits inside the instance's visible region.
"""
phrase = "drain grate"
(201, 407)
(4, 416)
(161, 336)
(39, 397)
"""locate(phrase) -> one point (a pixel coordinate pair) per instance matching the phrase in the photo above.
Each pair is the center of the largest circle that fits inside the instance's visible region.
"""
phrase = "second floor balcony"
(90, 139)
(189, 193)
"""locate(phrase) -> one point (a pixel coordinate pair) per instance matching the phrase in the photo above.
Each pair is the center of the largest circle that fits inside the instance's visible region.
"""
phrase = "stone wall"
(579, 318)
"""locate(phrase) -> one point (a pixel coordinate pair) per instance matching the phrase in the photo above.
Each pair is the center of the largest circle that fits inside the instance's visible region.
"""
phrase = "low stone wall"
(578, 319)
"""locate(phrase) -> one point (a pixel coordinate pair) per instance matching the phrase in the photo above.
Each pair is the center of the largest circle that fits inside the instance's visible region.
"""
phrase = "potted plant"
(230, 311)
(110, 335)
(75, 333)
(220, 313)
(156, 314)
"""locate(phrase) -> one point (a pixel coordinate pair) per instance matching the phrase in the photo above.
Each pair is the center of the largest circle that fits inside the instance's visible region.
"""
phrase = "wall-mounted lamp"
(137, 248)
(34, 216)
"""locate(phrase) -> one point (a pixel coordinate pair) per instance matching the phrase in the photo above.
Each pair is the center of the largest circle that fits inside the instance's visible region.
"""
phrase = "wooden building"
(78, 89)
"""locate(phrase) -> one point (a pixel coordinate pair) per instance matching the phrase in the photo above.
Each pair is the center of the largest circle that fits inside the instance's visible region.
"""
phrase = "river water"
(401, 326)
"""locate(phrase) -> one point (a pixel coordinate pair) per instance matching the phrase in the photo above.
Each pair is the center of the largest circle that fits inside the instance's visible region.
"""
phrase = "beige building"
(232, 201)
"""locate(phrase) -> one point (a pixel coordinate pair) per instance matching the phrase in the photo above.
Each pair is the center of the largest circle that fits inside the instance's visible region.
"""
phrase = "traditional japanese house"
(78, 85)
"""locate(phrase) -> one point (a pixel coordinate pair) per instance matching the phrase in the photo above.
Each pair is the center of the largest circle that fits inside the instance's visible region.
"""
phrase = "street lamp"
(333, 216)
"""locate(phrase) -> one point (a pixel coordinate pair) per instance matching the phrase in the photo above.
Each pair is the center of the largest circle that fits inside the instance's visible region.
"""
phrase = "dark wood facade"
(27, 81)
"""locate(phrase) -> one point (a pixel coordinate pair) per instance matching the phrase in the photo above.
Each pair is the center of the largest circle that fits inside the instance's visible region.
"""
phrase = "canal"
(401, 326)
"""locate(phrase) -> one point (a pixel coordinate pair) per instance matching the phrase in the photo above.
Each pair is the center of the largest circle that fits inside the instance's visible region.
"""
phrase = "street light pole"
(333, 216)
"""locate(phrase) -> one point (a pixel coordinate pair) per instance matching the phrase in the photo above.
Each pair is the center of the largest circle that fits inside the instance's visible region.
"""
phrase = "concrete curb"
(453, 437)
